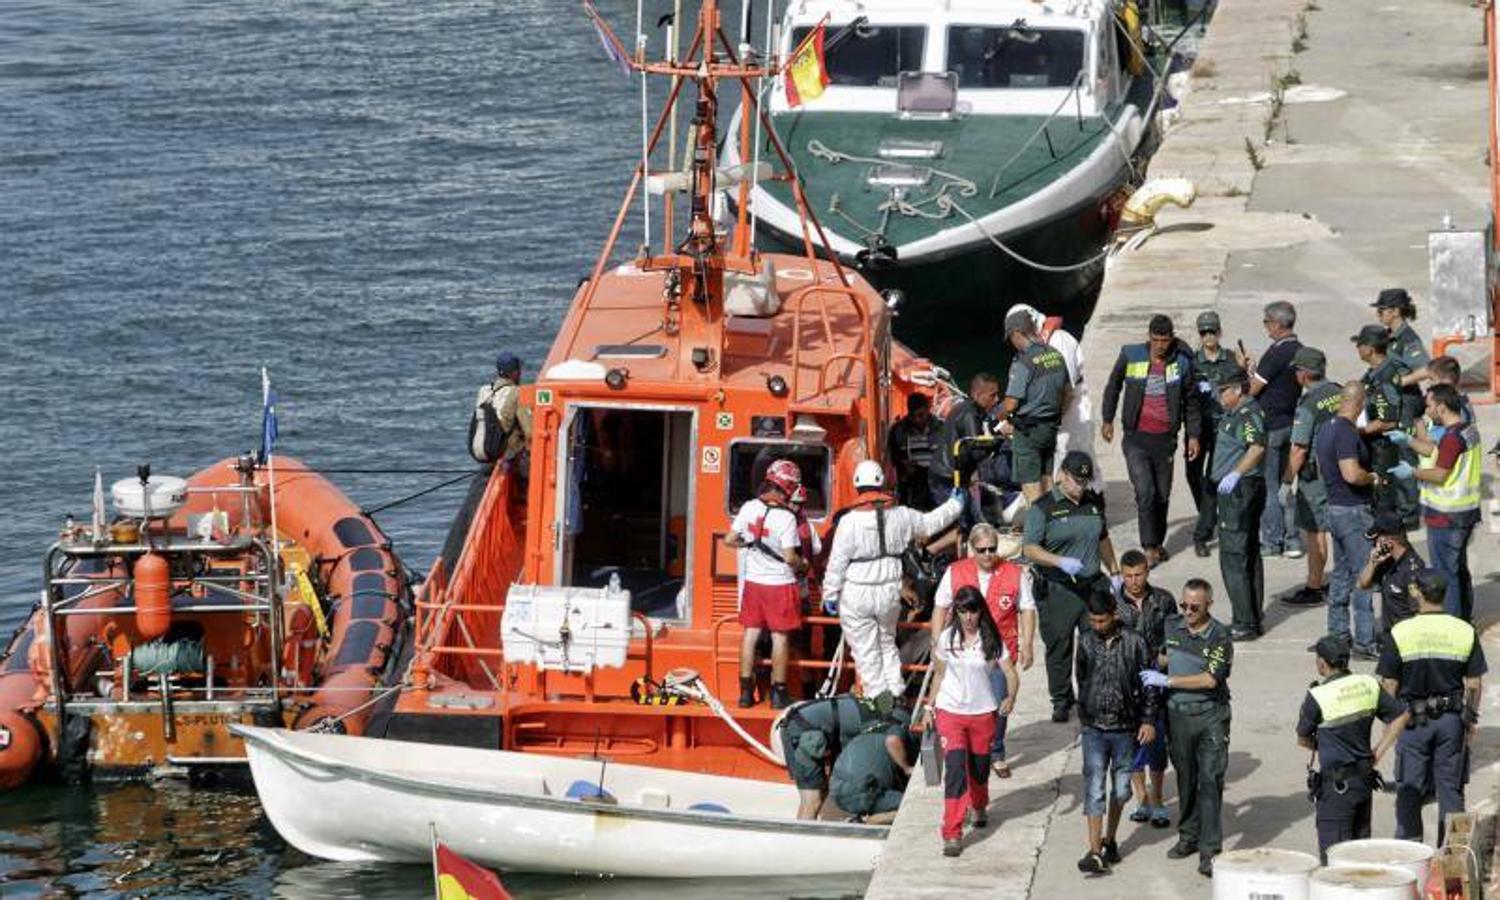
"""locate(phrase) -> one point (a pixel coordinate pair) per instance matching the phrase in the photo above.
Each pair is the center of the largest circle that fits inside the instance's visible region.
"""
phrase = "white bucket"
(1362, 883)
(1262, 872)
(1413, 856)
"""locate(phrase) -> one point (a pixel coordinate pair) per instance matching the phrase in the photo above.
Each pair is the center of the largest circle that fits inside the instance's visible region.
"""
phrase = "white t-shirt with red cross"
(776, 528)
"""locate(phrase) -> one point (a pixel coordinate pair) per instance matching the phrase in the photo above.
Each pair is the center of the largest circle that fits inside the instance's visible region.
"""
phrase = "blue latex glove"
(1436, 432)
(1227, 483)
(1116, 582)
(830, 606)
(1399, 438)
(1071, 565)
(1403, 471)
(1153, 679)
(959, 494)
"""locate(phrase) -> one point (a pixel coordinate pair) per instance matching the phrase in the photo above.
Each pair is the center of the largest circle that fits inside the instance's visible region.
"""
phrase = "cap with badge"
(1372, 336)
(1232, 376)
(1392, 298)
(1078, 464)
(1310, 359)
(1209, 321)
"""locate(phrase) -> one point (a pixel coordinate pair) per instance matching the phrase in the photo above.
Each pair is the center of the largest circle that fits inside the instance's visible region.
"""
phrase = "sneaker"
(1267, 551)
(1093, 864)
(1243, 634)
(1160, 818)
(1306, 596)
(1201, 549)
(952, 848)
(1141, 813)
(1111, 852)
(979, 819)
(1182, 850)
(1365, 651)
(1293, 553)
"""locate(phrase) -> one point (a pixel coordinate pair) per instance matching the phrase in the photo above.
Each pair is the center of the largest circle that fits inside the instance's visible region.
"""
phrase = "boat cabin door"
(624, 497)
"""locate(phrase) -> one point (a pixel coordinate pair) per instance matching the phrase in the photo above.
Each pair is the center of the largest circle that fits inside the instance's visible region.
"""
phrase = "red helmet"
(784, 475)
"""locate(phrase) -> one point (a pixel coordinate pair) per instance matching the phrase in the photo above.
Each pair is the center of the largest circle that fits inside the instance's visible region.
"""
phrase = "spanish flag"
(455, 878)
(807, 71)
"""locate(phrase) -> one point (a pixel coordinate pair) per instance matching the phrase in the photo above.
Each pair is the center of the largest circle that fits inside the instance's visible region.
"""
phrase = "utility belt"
(1034, 421)
(1342, 777)
(1425, 709)
(1080, 584)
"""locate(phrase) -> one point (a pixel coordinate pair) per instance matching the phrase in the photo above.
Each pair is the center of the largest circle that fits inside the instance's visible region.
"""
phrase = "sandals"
(1142, 813)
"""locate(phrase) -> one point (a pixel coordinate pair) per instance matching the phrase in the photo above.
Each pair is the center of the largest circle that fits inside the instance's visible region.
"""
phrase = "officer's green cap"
(1078, 464)
(1209, 321)
(1310, 359)
(1232, 377)
(1392, 297)
(1372, 336)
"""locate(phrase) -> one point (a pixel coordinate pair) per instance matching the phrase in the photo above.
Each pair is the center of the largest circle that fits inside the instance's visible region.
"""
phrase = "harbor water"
(367, 199)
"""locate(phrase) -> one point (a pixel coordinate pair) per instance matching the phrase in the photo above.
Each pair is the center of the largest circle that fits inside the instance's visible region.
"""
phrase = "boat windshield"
(1015, 56)
(748, 461)
(870, 55)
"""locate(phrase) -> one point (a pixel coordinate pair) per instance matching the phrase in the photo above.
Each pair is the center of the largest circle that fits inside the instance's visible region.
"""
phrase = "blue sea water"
(369, 199)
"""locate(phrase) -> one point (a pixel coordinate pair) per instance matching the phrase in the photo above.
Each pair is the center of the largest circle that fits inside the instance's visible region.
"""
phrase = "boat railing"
(861, 356)
(845, 663)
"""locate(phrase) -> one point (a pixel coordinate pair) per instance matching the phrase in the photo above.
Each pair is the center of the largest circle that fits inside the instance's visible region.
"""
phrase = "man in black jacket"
(1161, 396)
(1118, 715)
(971, 418)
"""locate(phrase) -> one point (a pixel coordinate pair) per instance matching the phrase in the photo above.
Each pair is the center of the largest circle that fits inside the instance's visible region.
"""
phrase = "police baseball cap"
(1334, 650)
(507, 364)
(1392, 297)
(1372, 336)
(1310, 359)
(1233, 376)
(1387, 521)
(1161, 326)
(1078, 464)
(1209, 321)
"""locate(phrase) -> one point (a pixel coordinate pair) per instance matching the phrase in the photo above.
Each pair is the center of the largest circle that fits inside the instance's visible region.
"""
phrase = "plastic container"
(566, 629)
(1362, 883)
(1263, 873)
(1413, 856)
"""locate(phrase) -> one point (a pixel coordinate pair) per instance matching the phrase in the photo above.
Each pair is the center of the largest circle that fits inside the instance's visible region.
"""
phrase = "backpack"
(486, 437)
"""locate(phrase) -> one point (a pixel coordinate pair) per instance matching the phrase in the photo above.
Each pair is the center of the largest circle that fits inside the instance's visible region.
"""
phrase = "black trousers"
(1060, 613)
(1205, 492)
(1148, 462)
(1432, 756)
(1342, 816)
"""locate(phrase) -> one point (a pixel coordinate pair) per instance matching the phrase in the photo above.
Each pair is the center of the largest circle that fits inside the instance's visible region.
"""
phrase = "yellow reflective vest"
(1347, 699)
(1459, 492)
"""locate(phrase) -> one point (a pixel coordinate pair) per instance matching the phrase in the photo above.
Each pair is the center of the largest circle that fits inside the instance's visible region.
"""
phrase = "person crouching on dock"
(766, 528)
(964, 708)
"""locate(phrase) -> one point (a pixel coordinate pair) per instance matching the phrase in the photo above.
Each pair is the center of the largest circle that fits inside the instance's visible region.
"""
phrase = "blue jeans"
(1106, 754)
(1001, 689)
(1449, 550)
(1278, 524)
(1346, 530)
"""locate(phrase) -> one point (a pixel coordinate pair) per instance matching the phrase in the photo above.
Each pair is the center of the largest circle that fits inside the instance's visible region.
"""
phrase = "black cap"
(1334, 650)
(1429, 583)
(1373, 336)
(1161, 326)
(1392, 297)
(1387, 521)
(1078, 464)
(508, 364)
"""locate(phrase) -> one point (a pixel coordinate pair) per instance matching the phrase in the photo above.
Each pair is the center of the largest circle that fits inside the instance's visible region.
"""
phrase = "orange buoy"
(20, 748)
(153, 595)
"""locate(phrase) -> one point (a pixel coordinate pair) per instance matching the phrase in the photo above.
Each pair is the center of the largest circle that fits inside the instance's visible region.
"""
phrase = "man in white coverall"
(1076, 430)
(863, 580)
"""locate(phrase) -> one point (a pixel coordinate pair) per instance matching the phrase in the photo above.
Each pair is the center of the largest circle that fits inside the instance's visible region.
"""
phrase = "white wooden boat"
(351, 798)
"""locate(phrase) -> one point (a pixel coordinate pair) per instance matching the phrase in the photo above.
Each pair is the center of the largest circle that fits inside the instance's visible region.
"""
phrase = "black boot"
(747, 692)
(779, 697)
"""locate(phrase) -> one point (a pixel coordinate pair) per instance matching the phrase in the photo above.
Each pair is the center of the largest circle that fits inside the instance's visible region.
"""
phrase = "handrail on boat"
(864, 356)
(721, 660)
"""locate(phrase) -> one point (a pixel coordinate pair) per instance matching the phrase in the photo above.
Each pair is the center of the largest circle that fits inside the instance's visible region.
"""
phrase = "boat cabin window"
(869, 55)
(625, 504)
(1015, 56)
(748, 461)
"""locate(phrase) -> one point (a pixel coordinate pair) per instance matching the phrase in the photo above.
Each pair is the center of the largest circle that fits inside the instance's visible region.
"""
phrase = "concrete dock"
(1327, 137)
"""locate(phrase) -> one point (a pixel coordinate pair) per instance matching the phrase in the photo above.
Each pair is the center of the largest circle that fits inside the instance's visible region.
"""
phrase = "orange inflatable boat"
(203, 603)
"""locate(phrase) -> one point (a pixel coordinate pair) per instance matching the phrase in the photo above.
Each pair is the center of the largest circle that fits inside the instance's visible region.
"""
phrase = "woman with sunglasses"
(968, 649)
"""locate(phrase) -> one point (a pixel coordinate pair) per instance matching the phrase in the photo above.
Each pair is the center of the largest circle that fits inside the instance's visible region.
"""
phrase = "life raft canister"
(153, 595)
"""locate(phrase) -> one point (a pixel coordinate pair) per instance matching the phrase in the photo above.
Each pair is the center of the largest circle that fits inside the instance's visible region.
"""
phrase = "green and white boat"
(964, 152)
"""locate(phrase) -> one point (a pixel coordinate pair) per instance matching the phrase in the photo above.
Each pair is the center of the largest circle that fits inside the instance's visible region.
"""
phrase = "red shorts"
(774, 606)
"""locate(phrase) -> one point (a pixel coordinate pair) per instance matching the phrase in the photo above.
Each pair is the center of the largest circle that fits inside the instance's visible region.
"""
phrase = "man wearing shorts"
(1035, 396)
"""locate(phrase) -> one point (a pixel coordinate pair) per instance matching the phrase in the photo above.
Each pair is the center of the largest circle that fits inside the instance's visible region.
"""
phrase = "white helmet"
(1028, 309)
(869, 474)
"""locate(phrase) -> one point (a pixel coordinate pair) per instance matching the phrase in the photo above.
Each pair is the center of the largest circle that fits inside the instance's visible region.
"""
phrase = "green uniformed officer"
(1035, 396)
(1433, 662)
(1239, 447)
(1212, 362)
(1396, 311)
(1386, 410)
(869, 777)
(815, 731)
(1319, 402)
(1067, 542)
(1336, 718)
(1199, 655)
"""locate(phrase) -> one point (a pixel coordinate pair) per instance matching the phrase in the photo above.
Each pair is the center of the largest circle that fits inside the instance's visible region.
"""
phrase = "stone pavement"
(1322, 203)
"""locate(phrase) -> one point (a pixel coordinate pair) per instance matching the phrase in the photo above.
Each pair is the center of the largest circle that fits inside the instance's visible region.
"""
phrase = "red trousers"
(966, 767)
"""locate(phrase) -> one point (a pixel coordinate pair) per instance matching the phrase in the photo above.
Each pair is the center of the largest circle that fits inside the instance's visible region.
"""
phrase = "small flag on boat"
(458, 879)
(612, 46)
(99, 520)
(268, 429)
(807, 71)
